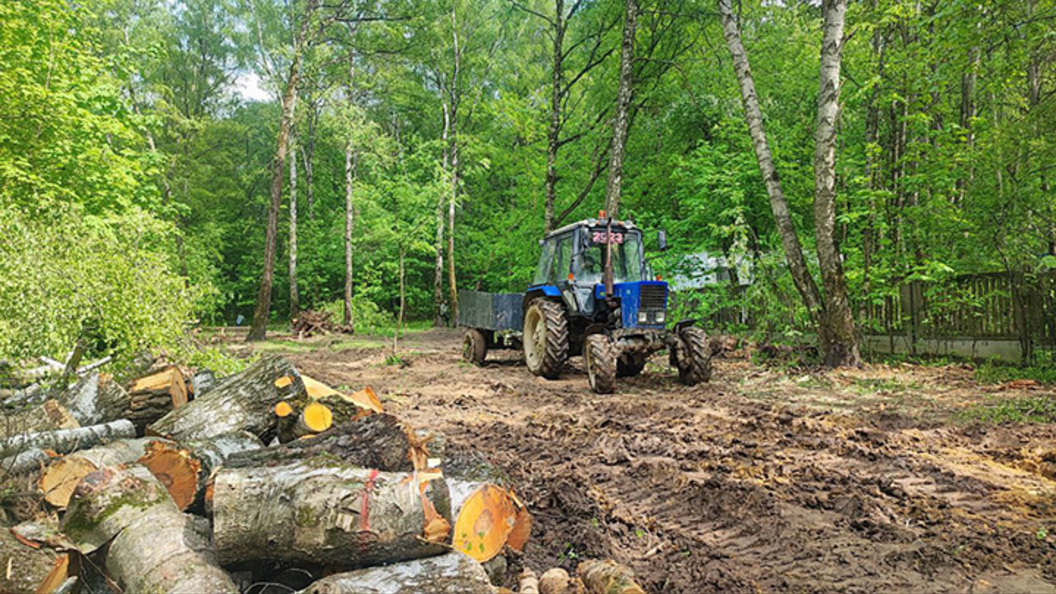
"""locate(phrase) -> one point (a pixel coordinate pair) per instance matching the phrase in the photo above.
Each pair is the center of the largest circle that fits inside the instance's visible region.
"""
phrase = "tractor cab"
(573, 265)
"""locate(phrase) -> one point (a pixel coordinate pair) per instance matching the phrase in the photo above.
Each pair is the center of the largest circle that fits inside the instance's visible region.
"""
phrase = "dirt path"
(759, 481)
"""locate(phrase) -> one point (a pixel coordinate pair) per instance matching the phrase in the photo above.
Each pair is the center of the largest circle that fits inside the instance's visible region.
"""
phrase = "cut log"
(59, 480)
(244, 401)
(319, 407)
(321, 511)
(607, 577)
(48, 416)
(528, 583)
(381, 442)
(25, 462)
(153, 546)
(185, 469)
(65, 441)
(30, 567)
(557, 581)
(96, 399)
(154, 396)
(491, 519)
(452, 573)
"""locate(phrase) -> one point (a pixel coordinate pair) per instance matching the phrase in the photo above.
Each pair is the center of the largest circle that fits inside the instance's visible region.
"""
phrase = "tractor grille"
(653, 297)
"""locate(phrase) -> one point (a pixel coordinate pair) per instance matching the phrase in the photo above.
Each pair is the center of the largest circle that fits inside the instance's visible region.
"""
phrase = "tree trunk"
(607, 577)
(29, 568)
(836, 331)
(453, 573)
(184, 469)
(438, 275)
(262, 312)
(49, 416)
(379, 441)
(295, 300)
(452, 282)
(620, 124)
(65, 441)
(59, 480)
(153, 547)
(320, 511)
(151, 398)
(243, 401)
(350, 213)
(24, 462)
(308, 155)
(797, 264)
(553, 136)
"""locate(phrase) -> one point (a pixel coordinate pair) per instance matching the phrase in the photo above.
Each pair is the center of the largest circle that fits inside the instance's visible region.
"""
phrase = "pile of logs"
(264, 479)
(311, 322)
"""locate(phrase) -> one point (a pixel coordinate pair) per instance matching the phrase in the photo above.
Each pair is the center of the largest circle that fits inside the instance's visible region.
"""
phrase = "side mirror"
(661, 240)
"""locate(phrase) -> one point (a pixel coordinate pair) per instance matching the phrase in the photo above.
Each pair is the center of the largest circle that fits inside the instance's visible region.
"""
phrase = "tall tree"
(454, 98)
(620, 122)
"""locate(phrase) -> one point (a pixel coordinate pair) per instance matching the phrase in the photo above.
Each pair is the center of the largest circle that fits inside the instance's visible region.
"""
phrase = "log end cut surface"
(175, 469)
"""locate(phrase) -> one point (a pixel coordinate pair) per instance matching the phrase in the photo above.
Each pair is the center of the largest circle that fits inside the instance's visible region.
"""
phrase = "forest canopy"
(427, 146)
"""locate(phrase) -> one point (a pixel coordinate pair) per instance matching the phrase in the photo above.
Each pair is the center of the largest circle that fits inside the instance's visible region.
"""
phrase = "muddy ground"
(766, 479)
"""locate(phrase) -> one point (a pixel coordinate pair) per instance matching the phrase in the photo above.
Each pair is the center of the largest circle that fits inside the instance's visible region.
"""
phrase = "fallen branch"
(445, 574)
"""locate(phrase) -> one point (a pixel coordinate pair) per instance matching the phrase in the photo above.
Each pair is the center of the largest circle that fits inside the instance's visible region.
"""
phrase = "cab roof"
(628, 225)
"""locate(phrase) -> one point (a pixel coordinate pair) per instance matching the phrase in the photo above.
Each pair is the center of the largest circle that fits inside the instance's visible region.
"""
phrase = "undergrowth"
(1027, 409)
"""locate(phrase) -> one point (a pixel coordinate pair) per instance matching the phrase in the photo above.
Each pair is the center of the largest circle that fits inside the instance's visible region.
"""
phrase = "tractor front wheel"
(694, 357)
(600, 359)
(545, 338)
(474, 347)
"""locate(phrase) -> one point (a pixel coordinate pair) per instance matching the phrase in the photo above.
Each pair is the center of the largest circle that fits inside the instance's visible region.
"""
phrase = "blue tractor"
(593, 295)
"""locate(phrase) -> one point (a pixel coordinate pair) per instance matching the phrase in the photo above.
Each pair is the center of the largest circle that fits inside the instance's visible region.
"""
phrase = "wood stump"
(154, 396)
(153, 547)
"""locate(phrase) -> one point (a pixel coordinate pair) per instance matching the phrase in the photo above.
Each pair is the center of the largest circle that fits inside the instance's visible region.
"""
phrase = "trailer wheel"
(474, 347)
(600, 361)
(694, 357)
(629, 365)
(545, 338)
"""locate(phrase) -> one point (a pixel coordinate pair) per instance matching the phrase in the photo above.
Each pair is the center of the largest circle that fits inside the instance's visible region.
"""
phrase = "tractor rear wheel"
(600, 360)
(694, 357)
(629, 365)
(545, 338)
(474, 347)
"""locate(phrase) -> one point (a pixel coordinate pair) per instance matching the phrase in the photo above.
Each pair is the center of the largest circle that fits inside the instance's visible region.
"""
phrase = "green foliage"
(1030, 409)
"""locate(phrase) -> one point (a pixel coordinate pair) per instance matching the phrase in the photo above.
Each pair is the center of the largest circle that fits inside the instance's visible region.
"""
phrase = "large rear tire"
(474, 347)
(694, 357)
(630, 365)
(545, 338)
(600, 360)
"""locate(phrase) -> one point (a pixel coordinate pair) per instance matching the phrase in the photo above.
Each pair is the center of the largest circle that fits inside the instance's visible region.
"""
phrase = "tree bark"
(243, 401)
(59, 480)
(95, 400)
(153, 547)
(295, 300)
(836, 331)
(438, 274)
(453, 573)
(65, 441)
(454, 98)
(320, 511)
(621, 124)
(797, 264)
(607, 577)
(553, 136)
(31, 569)
(185, 468)
(24, 462)
(262, 312)
(379, 441)
(350, 213)
(48, 416)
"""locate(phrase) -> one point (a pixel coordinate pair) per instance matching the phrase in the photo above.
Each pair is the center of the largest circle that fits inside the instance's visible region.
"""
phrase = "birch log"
(153, 547)
(244, 401)
(453, 573)
(95, 399)
(65, 441)
(326, 512)
(59, 480)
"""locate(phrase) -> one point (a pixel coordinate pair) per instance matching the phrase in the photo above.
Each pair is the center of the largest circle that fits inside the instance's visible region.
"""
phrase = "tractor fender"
(549, 291)
(683, 324)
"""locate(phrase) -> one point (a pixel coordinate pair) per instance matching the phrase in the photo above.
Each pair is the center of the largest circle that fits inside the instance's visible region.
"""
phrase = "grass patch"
(998, 374)
(1029, 409)
(879, 386)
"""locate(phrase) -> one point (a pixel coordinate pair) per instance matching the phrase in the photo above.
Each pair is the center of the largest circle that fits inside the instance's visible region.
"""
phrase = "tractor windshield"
(626, 256)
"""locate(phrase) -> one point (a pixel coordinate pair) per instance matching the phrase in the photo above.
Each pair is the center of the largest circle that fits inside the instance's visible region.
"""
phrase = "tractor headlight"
(643, 317)
(660, 317)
